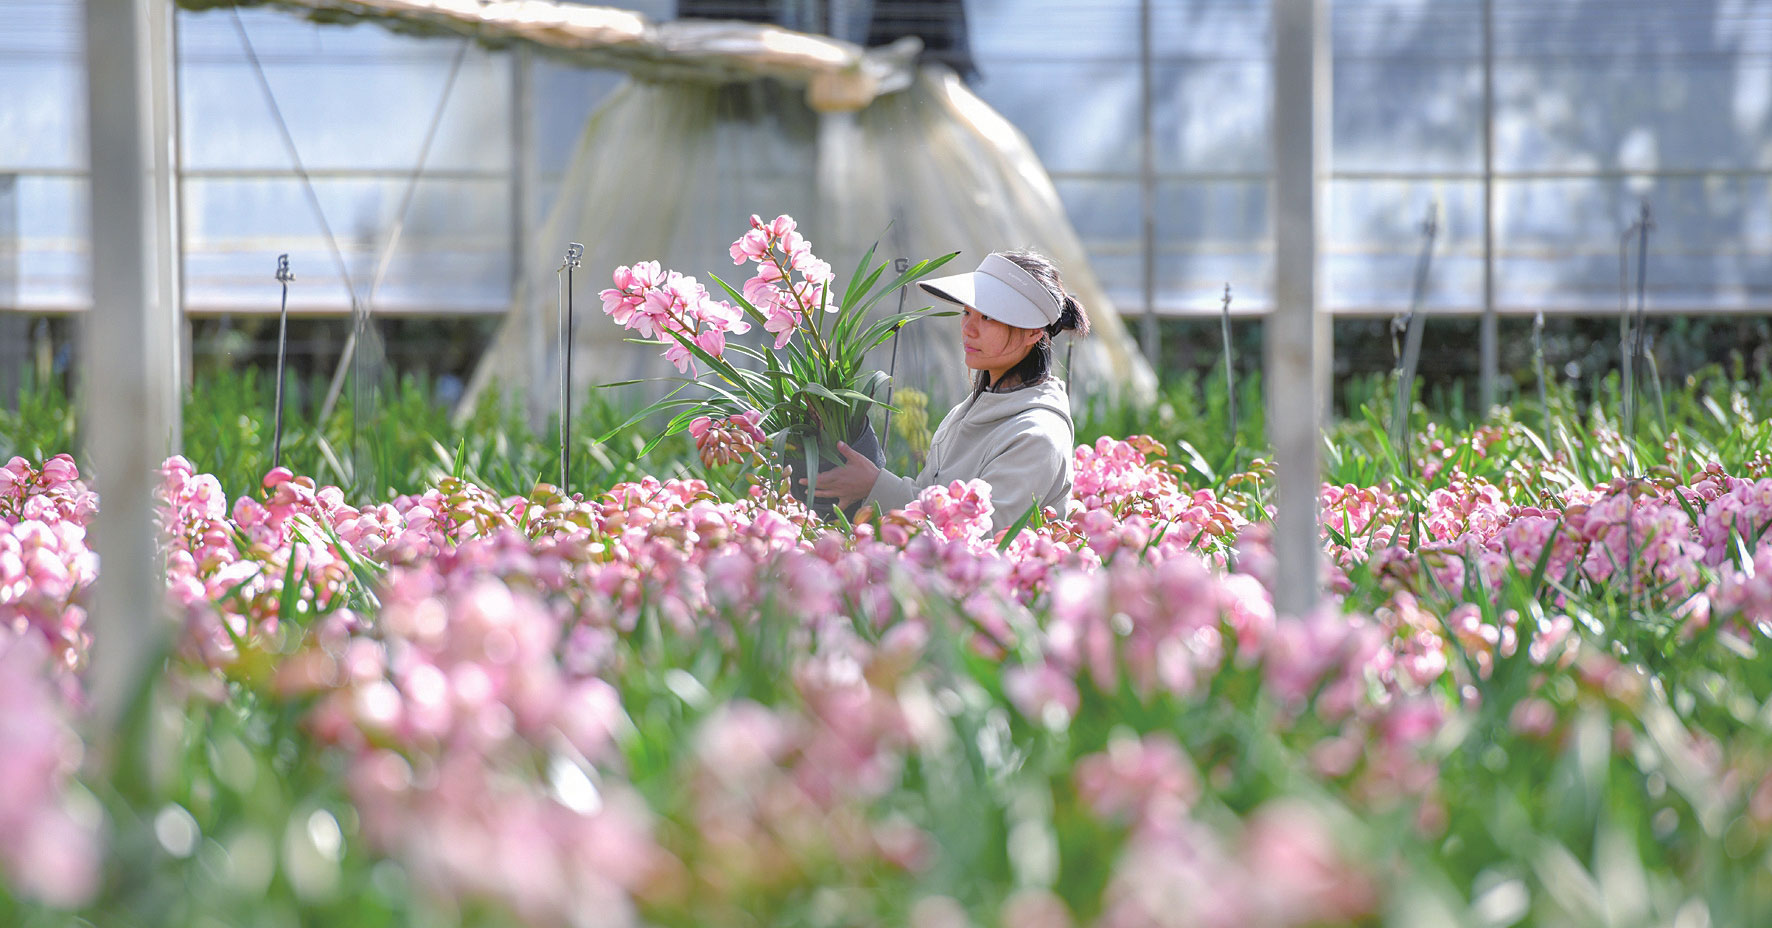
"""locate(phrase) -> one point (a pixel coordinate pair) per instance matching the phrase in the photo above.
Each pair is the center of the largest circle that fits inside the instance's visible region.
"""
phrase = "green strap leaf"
(811, 449)
(1019, 524)
(677, 424)
(668, 402)
(915, 272)
(739, 298)
(853, 309)
(819, 389)
(855, 288)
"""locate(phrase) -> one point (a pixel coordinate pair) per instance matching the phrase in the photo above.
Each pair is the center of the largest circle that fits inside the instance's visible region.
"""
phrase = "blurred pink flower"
(1135, 779)
(51, 853)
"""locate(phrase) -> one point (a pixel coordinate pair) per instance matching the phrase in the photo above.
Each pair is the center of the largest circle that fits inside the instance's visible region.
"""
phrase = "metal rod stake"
(1230, 376)
(899, 266)
(283, 277)
(1544, 421)
(1415, 320)
(1644, 222)
(574, 251)
(1629, 347)
(1626, 344)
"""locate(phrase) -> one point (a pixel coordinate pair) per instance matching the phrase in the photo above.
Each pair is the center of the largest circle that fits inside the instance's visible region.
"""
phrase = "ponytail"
(1071, 318)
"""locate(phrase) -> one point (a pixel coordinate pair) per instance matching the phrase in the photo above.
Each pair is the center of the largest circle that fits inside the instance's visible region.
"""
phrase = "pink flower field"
(668, 704)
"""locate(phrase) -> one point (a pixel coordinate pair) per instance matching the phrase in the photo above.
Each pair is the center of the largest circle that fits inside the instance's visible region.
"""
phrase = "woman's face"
(991, 345)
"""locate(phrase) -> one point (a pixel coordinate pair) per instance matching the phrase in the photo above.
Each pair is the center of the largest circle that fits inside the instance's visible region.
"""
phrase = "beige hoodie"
(1020, 442)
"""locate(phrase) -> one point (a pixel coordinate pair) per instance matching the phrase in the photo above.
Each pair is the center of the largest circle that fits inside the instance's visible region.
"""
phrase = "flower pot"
(864, 442)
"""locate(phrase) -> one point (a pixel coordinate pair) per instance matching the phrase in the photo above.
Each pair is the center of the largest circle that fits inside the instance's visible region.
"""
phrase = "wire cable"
(264, 84)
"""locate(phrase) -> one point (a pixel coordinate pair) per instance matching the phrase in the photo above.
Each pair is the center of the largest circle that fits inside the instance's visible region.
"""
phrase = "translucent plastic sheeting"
(244, 203)
(14, 338)
(673, 171)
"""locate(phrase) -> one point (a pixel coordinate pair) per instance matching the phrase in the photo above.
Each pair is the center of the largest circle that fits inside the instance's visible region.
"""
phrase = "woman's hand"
(850, 482)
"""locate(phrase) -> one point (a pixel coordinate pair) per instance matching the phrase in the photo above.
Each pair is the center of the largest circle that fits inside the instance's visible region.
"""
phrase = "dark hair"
(1036, 365)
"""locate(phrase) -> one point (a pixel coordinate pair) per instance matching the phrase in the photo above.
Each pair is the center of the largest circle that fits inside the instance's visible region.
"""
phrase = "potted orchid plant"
(807, 388)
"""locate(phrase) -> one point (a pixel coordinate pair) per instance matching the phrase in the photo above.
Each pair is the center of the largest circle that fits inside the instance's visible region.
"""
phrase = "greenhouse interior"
(940, 463)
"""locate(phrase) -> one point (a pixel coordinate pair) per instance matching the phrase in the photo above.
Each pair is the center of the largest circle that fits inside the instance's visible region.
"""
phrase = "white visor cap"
(1002, 290)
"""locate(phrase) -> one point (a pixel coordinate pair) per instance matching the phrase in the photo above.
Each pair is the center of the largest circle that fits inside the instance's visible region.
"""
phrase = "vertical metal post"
(15, 328)
(1488, 339)
(1297, 337)
(1147, 184)
(125, 425)
(186, 372)
(167, 329)
(522, 200)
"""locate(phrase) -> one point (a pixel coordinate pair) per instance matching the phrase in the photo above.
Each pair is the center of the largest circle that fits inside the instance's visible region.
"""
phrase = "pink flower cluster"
(52, 493)
(1175, 871)
(728, 439)
(52, 845)
(1283, 867)
(666, 304)
(444, 711)
(1747, 592)
(1625, 533)
(780, 252)
(960, 511)
(485, 664)
(45, 562)
(1734, 509)
(1669, 539)
(1137, 779)
(780, 791)
(1127, 482)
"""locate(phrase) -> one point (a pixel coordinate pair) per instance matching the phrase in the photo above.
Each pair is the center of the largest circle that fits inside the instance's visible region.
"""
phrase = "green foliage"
(407, 440)
(1608, 814)
(41, 425)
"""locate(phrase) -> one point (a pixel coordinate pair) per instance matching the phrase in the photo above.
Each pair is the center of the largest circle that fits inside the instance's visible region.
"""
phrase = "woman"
(1014, 430)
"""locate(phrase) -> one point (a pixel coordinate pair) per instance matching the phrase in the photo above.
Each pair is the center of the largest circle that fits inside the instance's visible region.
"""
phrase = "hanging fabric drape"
(673, 171)
(724, 119)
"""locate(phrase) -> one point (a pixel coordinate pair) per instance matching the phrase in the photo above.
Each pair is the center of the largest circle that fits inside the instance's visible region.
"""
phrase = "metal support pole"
(1488, 339)
(168, 330)
(186, 334)
(522, 199)
(15, 327)
(1147, 184)
(1297, 336)
(125, 425)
